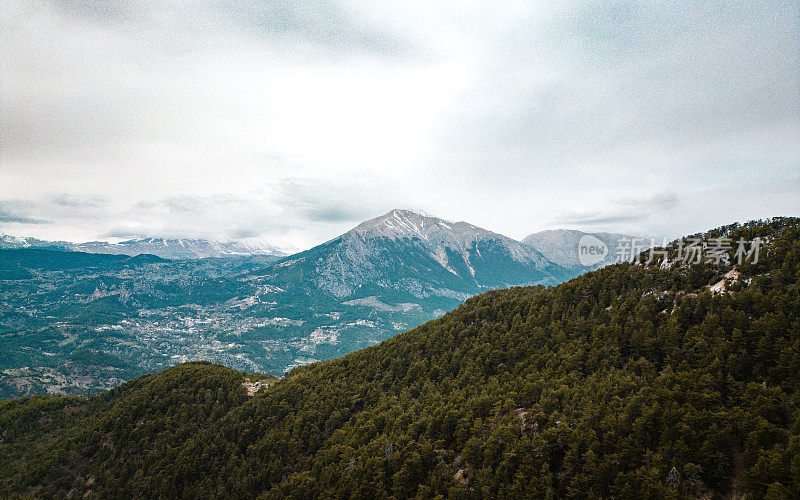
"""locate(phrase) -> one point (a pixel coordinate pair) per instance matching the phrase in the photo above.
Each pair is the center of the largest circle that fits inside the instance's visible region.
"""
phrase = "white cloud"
(295, 120)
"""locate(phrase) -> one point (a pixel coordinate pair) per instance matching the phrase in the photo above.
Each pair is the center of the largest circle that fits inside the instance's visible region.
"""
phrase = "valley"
(77, 323)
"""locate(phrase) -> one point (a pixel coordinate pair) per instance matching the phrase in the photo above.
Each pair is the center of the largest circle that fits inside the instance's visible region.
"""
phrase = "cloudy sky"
(293, 120)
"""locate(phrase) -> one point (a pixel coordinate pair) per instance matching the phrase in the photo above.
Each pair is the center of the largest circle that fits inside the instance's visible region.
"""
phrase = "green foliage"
(629, 382)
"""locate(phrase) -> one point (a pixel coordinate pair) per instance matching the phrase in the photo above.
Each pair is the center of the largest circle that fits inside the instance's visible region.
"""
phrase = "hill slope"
(628, 381)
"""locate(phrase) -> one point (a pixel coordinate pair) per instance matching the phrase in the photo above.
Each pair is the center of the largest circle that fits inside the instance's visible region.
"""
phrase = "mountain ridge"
(456, 258)
(168, 248)
(561, 246)
(395, 223)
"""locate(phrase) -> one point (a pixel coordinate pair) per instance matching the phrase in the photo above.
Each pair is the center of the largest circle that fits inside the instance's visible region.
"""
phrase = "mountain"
(161, 247)
(7, 241)
(561, 246)
(76, 323)
(180, 248)
(626, 382)
(416, 255)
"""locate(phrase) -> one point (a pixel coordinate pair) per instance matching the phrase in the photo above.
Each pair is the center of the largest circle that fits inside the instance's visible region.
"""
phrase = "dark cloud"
(334, 214)
(240, 234)
(124, 235)
(620, 211)
(297, 29)
(596, 218)
(17, 211)
(117, 11)
(272, 211)
(75, 201)
(97, 80)
(222, 217)
(329, 202)
(53, 209)
(19, 219)
(655, 203)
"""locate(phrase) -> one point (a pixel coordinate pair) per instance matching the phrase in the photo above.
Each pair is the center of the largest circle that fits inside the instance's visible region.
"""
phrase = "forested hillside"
(632, 381)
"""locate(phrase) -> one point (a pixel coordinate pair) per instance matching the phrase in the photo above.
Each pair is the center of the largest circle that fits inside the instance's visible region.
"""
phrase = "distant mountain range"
(478, 257)
(561, 247)
(161, 247)
(417, 255)
(77, 317)
(100, 319)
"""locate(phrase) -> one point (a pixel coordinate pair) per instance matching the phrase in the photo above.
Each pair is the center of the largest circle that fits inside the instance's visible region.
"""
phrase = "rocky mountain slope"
(561, 246)
(417, 256)
(627, 382)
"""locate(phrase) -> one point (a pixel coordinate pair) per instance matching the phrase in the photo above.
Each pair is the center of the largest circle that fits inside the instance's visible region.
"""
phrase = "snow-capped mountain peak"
(439, 236)
(176, 248)
(399, 223)
(419, 254)
(403, 223)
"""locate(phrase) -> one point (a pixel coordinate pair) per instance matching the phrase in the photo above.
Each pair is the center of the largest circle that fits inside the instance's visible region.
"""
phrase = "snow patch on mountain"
(166, 248)
(418, 255)
(438, 234)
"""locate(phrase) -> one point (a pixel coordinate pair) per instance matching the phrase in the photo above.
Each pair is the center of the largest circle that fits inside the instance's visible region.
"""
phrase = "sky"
(291, 121)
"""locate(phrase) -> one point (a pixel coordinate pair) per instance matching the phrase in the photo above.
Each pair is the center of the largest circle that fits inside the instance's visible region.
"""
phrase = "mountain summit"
(419, 255)
(399, 223)
(439, 236)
